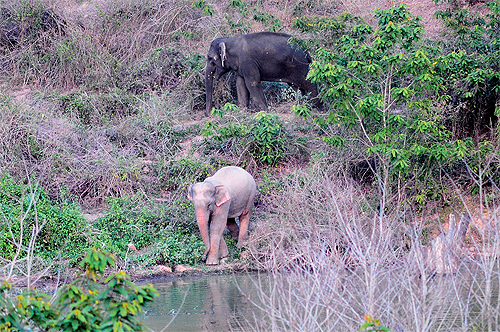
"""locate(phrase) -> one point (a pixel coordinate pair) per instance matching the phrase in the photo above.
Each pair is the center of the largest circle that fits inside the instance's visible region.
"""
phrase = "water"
(329, 302)
(204, 303)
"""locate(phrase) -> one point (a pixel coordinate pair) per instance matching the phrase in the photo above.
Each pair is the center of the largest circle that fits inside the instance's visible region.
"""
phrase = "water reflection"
(330, 301)
(205, 303)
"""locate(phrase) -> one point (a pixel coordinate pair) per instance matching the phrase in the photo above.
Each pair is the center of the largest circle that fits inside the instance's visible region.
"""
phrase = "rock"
(182, 268)
(163, 268)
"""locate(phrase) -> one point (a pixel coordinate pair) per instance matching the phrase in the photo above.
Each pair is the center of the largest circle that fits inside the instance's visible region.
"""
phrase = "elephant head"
(207, 201)
(217, 63)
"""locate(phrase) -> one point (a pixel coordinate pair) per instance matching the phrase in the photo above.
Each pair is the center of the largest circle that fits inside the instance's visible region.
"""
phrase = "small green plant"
(179, 245)
(262, 136)
(90, 303)
(301, 111)
(228, 107)
(268, 138)
(372, 325)
(206, 8)
(89, 306)
(242, 8)
(25, 312)
(269, 20)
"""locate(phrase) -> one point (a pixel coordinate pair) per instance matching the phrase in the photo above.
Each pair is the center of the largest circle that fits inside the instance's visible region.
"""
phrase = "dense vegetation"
(101, 111)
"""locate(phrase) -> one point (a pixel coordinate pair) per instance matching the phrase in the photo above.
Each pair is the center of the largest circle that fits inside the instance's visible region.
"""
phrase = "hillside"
(102, 110)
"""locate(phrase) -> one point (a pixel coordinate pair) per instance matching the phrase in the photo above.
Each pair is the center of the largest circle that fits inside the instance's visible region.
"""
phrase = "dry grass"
(92, 163)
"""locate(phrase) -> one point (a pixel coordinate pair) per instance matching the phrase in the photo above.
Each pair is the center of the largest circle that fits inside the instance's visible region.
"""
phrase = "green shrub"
(126, 222)
(162, 234)
(28, 214)
(89, 303)
(267, 135)
(262, 136)
(469, 67)
(179, 245)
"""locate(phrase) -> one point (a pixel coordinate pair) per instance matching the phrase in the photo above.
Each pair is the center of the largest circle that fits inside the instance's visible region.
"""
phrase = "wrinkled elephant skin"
(256, 57)
(217, 201)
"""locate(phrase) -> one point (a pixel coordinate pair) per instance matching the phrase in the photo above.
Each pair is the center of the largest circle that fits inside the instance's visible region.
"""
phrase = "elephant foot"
(212, 261)
(240, 243)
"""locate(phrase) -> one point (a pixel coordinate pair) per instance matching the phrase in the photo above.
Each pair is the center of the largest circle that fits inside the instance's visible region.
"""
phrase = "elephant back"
(237, 181)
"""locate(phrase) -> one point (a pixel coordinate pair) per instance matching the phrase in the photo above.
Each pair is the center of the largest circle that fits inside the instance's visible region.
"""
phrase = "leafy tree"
(379, 83)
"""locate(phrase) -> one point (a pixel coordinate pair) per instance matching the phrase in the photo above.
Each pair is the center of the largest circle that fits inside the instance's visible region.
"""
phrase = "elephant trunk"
(202, 217)
(209, 81)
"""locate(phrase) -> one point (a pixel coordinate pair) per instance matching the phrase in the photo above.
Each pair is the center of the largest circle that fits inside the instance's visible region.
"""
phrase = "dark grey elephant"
(217, 201)
(256, 57)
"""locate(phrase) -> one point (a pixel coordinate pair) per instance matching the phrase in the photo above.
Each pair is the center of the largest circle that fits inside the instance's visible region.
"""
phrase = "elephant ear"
(221, 195)
(223, 55)
(190, 192)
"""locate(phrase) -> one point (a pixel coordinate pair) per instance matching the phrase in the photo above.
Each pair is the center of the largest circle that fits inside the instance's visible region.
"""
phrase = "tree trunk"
(445, 251)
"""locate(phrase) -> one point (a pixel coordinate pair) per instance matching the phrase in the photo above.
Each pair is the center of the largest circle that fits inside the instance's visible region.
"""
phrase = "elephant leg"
(243, 94)
(244, 221)
(216, 229)
(233, 227)
(308, 88)
(223, 251)
(256, 92)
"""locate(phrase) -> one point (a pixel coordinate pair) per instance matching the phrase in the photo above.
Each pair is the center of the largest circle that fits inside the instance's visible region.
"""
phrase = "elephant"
(217, 201)
(256, 57)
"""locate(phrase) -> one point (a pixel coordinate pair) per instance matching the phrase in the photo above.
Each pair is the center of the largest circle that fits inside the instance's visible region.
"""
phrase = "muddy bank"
(162, 271)
(49, 281)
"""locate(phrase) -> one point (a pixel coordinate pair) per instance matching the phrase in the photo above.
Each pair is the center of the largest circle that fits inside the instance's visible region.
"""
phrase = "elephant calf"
(217, 201)
(256, 57)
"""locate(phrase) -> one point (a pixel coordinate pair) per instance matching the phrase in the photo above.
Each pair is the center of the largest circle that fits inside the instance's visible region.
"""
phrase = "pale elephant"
(217, 201)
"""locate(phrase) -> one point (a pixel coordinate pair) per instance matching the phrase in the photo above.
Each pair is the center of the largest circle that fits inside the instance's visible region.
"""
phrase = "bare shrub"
(334, 259)
(317, 211)
(103, 46)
